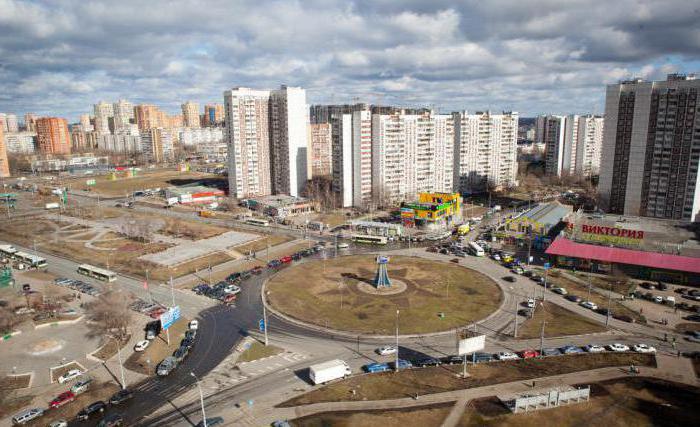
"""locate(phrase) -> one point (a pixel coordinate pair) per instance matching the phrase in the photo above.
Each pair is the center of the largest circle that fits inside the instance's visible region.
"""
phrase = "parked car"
(166, 366)
(658, 299)
(589, 305)
(286, 260)
(121, 396)
(530, 303)
(570, 349)
(112, 420)
(93, 408)
(479, 357)
(59, 423)
(527, 354)
(141, 345)
(386, 350)
(643, 348)
(27, 415)
(551, 352)
(211, 422)
(506, 355)
(273, 264)
(453, 360)
(558, 290)
(428, 361)
(62, 399)
(193, 325)
(81, 386)
(403, 364)
(376, 367)
(70, 375)
(509, 279)
(593, 348)
(617, 347)
(662, 286)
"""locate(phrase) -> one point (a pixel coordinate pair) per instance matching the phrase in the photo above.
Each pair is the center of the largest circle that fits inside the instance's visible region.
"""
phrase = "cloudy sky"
(61, 56)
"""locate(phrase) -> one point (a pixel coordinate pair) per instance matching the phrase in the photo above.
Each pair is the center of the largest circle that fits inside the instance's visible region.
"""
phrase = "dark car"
(662, 286)
(191, 334)
(453, 360)
(297, 256)
(112, 420)
(181, 353)
(693, 318)
(428, 361)
(121, 396)
(187, 342)
(258, 269)
(93, 408)
(551, 352)
(480, 357)
(274, 263)
(526, 312)
(211, 422)
(573, 298)
(648, 285)
(509, 279)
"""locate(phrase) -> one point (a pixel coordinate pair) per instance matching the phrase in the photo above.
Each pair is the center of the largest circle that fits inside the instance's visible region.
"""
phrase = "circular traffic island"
(342, 294)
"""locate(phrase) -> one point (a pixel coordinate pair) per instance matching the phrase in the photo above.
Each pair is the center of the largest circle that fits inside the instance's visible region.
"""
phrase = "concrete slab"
(188, 251)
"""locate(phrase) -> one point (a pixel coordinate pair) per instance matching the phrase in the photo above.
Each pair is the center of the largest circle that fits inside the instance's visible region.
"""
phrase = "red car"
(257, 270)
(62, 399)
(228, 299)
(527, 354)
(156, 312)
(286, 260)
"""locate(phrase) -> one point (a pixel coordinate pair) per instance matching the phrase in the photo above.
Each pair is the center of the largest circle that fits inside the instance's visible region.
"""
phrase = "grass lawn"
(109, 349)
(261, 244)
(146, 361)
(390, 385)
(56, 373)
(421, 416)
(557, 279)
(193, 230)
(328, 293)
(635, 402)
(14, 382)
(560, 322)
(258, 350)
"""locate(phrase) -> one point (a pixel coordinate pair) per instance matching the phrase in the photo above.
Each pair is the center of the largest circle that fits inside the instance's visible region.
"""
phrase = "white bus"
(7, 252)
(97, 273)
(375, 240)
(256, 221)
(475, 249)
(30, 260)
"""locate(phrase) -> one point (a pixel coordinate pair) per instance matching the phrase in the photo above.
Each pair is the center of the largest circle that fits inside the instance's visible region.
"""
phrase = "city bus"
(97, 273)
(375, 240)
(256, 221)
(475, 249)
(7, 252)
(30, 260)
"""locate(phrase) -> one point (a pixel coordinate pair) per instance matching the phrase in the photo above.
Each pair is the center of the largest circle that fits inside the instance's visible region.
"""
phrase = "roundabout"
(350, 294)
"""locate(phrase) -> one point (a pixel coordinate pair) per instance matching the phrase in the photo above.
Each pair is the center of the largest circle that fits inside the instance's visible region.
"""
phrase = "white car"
(659, 299)
(589, 305)
(194, 324)
(343, 245)
(496, 257)
(141, 345)
(618, 347)
(505, 355)
(70, 375)
(232, 289)
(593, 348)
(530, 303)
(59, 423)
(643, 348)
(560, 291)
(386, 350)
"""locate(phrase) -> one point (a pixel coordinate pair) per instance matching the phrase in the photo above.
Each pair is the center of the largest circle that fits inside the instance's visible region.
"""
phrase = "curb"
(7, 337)
(346, 334)
(59, 322)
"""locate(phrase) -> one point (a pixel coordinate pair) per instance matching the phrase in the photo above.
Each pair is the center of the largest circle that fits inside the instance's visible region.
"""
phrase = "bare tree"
(8, 319)
(319, 190)
(136, 228)
(109, 315)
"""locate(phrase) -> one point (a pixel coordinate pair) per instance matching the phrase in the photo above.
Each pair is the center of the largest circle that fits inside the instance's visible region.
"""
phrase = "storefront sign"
(606, 234)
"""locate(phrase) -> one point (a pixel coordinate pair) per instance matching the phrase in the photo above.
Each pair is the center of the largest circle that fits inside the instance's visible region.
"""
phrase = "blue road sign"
(261, 325)
(546, 266)
(169, 317)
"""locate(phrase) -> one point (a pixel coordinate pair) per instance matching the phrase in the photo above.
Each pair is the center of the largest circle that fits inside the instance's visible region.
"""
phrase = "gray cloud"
(61, 56)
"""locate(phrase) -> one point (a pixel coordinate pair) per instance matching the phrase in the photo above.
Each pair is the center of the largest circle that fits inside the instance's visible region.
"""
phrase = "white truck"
(329, 371)
(53, 205)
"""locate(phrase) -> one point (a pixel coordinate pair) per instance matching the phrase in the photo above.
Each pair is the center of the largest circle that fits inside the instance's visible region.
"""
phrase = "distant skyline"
(59, 57)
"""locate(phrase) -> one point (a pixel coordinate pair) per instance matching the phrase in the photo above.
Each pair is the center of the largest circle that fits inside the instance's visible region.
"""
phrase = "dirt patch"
(190, 230)
(390, 385)
(262, 243)
(14, 382)
(257, 350)
(109, 349)
(11, 405)
(145, 362)
(687, 328)
(559, 322)
(326, 293)
(624, 402)
(123, 185)
(97, 391)
(432, 415)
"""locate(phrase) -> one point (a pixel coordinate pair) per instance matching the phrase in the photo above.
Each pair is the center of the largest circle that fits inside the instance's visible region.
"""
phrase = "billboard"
(169, 317)
(470, 344)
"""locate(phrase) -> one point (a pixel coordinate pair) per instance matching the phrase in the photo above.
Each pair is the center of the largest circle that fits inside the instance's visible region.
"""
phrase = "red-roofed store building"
(643, 248)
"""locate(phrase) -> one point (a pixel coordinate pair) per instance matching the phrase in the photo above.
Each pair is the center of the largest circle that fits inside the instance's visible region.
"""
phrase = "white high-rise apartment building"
(485, 150)
(246, 114)
(407, 150)
(651, 149)
(11, 123)
(289, 124)
(85, 123)
(103, 112)
(20, 142)
(192, 137)
(590, 141)
(553, 136)
(123, 112)
(190, 114)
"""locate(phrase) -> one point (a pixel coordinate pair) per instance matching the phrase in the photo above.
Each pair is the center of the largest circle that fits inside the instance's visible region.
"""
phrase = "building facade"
(247, 137)
(20, 142)
(157, 145)
(190, 137)
(213, 115)
(4, 162)
(190, 114)
(123, 115)
(53, 136)
(30, 122)
(289, 119)
(588, 147)
(320, 153)
(485, 150)
(651, 149)
(104, 113)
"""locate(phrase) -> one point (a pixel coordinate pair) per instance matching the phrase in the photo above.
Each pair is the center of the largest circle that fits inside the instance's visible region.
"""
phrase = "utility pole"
(542, 338)
(121, 366)
(607, 314)
(515, 316)
(397, 341)
(172, 291)
(201, 399)
(529, 242)
(590, 270)
(264, 320)
(544, 289)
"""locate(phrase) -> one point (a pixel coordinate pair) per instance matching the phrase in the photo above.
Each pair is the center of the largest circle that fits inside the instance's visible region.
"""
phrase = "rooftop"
(279, 200)
(548, 214)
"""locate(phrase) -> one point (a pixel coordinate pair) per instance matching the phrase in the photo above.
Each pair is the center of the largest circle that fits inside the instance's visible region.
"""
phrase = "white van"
(27, 415)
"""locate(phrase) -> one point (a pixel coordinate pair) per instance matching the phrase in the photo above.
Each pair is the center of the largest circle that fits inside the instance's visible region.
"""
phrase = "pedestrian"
(665, 337)
(641, 310)
(678, 353)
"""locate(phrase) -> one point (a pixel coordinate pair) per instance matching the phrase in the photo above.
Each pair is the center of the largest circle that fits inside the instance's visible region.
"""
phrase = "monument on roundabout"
(381, 279)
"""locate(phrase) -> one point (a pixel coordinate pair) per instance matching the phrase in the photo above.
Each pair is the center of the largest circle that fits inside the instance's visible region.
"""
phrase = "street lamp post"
(201, 399)
(607, 313)
(397, 340)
